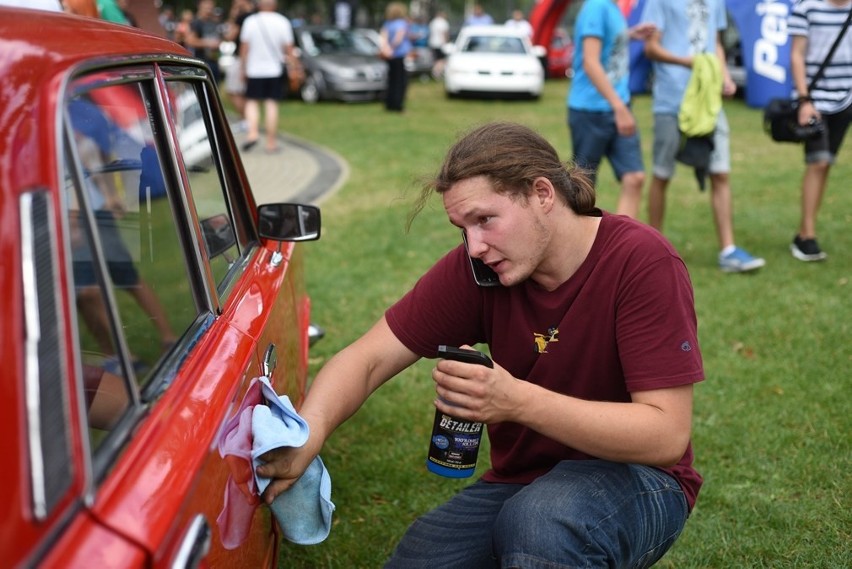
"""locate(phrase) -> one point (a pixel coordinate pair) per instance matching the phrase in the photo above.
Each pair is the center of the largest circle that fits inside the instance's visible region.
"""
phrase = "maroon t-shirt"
(624, 322)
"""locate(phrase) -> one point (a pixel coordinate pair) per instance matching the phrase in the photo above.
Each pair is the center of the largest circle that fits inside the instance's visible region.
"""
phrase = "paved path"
(302, 172)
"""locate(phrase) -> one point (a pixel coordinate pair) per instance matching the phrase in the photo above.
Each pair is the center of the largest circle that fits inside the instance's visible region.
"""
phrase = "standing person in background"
(111, 12)
(395, 46)
(88, 8)
(182, 27)
(814, 25)
(439, 34)
(685, 28)
(168, 20)
(235, 82)
(518, 22)
(124, 6)
(266, 44)
(599, 117)
(479, 17)
(205, 35)
(418, 32)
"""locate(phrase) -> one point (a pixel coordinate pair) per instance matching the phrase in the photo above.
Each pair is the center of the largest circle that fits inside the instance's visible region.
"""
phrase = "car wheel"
(310, 90)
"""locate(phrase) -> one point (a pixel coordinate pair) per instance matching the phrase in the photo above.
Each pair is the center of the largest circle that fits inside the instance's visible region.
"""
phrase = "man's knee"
(532, 527)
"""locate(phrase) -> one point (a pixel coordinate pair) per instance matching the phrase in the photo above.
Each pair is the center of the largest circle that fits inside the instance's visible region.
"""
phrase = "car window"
(130, 275)
(495, 44)
(206, 181)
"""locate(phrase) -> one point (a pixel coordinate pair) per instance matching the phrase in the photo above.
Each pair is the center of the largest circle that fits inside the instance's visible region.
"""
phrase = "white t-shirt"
(522, 26)
(266, 34)
(439, 32)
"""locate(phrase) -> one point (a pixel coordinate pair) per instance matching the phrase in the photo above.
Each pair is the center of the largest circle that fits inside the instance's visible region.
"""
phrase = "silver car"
(339, 65)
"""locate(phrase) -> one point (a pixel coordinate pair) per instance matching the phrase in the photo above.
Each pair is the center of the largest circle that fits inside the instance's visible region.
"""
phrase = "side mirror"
(218, 235)
(289, 222)
(539, 51)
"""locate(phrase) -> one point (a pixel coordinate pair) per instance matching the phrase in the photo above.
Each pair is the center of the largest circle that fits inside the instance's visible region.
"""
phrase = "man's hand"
(625, 123)
(474, 392)
(642, 31)
(808, 113)
(729, 88)
(284, 466)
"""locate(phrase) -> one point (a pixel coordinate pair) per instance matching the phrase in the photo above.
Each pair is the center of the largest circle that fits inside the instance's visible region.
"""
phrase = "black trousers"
(397, 84)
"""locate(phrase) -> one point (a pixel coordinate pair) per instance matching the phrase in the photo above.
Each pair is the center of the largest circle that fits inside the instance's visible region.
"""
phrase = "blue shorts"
(594, 136)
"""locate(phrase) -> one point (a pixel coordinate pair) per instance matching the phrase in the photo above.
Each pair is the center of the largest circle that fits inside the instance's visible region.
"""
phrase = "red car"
(142, 291)
(560, 55)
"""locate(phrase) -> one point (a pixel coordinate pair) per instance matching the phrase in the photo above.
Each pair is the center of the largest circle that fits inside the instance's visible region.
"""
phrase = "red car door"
(178, 308)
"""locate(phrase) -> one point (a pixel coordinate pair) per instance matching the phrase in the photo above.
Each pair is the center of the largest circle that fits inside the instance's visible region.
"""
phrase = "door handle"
(270, 361)
(195, 545)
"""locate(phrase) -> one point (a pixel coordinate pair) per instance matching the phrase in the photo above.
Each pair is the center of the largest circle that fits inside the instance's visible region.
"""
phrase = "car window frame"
(209, 302)
(244, 227)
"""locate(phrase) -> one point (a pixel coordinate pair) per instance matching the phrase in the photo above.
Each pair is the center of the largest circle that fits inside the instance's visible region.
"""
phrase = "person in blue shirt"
(684, 29)
(396, 44)
(479, 17)
(600, 121)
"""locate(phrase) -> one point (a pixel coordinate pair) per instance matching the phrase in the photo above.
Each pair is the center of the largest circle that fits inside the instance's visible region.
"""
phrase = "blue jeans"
(595, 136)
(584, 513)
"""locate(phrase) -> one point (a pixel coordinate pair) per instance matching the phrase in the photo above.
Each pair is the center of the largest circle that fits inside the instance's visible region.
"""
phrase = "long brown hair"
(511, 156)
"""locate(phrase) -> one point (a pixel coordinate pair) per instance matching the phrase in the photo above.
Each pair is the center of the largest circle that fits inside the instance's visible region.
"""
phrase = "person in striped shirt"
(813, 26)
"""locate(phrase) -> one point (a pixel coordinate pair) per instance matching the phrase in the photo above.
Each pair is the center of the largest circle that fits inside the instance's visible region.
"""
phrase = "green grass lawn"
(773, 419)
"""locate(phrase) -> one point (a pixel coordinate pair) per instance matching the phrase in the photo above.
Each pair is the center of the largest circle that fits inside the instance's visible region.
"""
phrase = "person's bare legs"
(93, 311)
(813, 188)
(631, 194)
(657, 202)
(723, 210)
(239, 102)
(150, 304)
(252, 110)
(270, 110)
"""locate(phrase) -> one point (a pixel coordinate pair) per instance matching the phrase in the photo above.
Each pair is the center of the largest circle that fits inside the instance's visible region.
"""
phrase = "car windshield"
(494, 44)
(334, 41)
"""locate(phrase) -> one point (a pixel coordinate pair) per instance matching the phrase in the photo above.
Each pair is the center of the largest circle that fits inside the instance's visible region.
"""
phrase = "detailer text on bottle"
(454, 445)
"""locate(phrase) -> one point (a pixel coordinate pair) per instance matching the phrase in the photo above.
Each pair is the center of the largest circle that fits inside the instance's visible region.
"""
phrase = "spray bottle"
(454, 445)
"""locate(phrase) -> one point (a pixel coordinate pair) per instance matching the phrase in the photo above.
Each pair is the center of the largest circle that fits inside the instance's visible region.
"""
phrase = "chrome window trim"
(31, 377)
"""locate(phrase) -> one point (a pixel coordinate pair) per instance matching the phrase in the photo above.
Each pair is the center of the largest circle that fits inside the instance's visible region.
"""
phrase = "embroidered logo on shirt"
(686, 346)
(542, 340)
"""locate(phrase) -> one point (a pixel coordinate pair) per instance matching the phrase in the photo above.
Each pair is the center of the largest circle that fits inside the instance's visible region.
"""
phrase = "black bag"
(781, 116)
(781, 122)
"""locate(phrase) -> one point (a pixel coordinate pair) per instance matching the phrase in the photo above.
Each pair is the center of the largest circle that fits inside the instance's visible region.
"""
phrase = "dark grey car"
(339, 65)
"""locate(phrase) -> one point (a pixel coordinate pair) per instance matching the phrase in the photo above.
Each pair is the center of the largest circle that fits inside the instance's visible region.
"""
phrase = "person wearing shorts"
(266, 42)
(683, 30)
(235, 81)
(439, 34)
(599, 117)
(813, 27)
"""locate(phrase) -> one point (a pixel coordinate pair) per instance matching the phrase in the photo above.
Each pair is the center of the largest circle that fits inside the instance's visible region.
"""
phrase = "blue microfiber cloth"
(304, 511)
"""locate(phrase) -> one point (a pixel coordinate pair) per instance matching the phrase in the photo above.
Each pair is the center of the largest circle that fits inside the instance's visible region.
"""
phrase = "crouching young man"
(589, 404)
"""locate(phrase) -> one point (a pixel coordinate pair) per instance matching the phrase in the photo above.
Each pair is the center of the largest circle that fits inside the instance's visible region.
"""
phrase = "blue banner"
(765, 47)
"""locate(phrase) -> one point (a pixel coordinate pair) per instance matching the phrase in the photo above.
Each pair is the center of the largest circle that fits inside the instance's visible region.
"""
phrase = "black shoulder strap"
(831, 51)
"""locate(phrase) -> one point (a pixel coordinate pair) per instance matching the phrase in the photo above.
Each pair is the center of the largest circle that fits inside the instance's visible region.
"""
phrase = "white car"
(493, 60)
